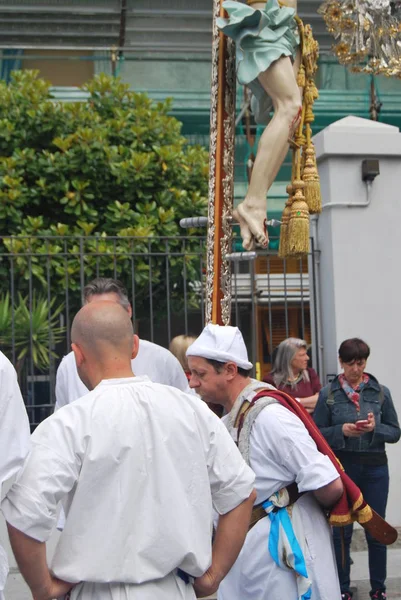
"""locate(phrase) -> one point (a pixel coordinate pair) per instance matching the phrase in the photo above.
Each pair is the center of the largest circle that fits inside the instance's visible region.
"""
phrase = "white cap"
(222, 343)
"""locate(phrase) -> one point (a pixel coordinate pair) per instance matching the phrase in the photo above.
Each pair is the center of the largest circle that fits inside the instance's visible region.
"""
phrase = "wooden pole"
(221, 175)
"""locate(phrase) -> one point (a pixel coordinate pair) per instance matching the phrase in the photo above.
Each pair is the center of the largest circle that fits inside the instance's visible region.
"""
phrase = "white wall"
(360, 257)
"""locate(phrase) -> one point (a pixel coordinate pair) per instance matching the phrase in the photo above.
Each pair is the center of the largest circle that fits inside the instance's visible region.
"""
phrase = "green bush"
(115, 165)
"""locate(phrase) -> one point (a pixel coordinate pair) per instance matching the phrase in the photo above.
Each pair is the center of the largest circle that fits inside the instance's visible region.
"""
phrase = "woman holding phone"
(356, 415)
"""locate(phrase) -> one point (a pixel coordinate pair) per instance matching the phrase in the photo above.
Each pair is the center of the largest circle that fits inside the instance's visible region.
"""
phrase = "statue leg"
(280, 84)
(297, 63)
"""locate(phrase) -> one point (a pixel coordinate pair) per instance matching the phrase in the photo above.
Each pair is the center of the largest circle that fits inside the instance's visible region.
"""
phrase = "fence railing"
(42, 281)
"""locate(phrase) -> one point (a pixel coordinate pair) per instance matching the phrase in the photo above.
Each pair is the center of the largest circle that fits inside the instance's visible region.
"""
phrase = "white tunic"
(159, 364)
(281, 452)
(14, 437)
(138, 467)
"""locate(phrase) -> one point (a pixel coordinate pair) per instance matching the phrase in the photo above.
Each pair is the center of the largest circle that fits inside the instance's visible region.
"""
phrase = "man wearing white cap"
(288, 552)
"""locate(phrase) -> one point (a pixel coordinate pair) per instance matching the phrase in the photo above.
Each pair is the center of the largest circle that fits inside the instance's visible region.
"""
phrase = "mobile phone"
(361, 423)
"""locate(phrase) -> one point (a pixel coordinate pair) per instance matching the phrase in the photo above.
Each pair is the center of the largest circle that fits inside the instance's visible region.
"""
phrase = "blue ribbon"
(278, 517)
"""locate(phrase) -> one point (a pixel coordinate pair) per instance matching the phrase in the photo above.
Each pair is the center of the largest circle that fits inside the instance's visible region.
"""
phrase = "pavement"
(360, 574)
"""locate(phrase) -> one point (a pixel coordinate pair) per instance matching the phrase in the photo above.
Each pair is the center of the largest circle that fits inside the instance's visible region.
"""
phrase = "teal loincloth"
(261, 37)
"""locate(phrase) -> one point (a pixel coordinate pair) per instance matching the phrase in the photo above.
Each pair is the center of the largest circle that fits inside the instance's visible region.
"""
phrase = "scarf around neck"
(353, 393)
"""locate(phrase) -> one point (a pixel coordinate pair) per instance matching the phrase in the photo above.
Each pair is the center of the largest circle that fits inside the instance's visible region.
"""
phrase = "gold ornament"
(298, 227)
(285, 218)
(367, 34)
(294, 233)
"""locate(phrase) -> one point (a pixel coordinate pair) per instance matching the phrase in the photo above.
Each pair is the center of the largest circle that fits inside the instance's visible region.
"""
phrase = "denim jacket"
(334, 409)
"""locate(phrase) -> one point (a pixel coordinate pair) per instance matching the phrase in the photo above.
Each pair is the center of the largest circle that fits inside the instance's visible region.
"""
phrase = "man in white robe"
(138, 467)
(159, 364)
(280, 451)
(14, 438)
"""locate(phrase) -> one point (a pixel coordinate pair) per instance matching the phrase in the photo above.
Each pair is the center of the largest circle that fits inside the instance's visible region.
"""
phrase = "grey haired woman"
(292, 375)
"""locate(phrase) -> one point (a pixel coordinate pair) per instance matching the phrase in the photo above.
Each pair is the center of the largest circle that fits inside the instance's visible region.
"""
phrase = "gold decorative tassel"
(298, 227)
(310, 173)
(311, 179)
(283, 247)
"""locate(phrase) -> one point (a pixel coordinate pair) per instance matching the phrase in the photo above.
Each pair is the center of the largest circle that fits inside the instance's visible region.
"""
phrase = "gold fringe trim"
(361, 516)
(340, 463)
(341, 520)
(357, 503)
(365, 514)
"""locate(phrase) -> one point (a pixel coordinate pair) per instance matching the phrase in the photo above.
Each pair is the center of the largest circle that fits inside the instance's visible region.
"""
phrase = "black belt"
(184, 576)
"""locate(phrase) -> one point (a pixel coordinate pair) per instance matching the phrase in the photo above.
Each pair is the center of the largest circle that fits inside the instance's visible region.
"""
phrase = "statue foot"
(254, 223)
(247, 238)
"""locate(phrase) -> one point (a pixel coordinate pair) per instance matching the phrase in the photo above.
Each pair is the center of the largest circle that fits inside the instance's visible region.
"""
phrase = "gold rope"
(310, 174)
(298, 226)
(304, 190)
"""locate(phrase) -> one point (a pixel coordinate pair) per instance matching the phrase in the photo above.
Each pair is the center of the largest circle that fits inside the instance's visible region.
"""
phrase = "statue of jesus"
(268, 59)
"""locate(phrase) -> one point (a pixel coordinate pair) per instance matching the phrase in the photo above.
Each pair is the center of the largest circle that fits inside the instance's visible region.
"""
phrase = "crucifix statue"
(276, 60)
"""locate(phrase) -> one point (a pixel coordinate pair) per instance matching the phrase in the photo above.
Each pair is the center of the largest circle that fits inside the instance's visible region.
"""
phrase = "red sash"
(351, 506)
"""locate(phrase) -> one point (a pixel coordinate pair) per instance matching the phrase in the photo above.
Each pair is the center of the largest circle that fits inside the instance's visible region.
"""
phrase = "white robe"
(281, 452)
(14, 438)
(139, 467)
(159, 364)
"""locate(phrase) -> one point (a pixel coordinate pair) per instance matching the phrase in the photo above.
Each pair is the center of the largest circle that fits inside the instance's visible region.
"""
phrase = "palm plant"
(5, 323)
(36, 329)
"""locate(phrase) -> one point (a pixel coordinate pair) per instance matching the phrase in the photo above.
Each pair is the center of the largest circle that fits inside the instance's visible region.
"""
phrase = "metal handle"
(193, 222)
(240, 256)
(203, 221)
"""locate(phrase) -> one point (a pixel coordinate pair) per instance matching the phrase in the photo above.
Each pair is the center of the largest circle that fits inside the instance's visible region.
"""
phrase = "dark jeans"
(373, 482)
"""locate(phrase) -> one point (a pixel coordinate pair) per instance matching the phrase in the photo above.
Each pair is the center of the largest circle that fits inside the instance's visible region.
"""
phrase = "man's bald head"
(103, 329)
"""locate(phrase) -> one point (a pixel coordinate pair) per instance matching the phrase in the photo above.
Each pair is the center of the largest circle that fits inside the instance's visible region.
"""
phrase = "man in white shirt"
(14, 438)
(138, 467)
(279, 449)
(152, 360)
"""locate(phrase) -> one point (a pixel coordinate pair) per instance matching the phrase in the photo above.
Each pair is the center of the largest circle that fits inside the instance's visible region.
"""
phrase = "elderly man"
(152, 360)
(289, 553)
(138, 467)
(14, 438)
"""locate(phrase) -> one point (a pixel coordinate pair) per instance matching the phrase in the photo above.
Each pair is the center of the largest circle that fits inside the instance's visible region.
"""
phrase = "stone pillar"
(359, 238)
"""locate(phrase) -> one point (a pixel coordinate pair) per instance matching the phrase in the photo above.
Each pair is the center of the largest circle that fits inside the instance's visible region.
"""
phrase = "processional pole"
(221, 175)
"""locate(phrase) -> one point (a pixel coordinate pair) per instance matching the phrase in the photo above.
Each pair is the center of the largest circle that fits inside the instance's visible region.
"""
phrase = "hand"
(205, 585)
(309, 403)
(351, 430)
(370, 425)
(57, 588)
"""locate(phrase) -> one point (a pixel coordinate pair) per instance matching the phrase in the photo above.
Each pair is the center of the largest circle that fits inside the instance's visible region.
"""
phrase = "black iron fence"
(42, 279)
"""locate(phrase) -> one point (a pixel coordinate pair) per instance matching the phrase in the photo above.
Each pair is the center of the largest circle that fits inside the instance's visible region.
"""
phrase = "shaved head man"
(103, 341)
(138, 467)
